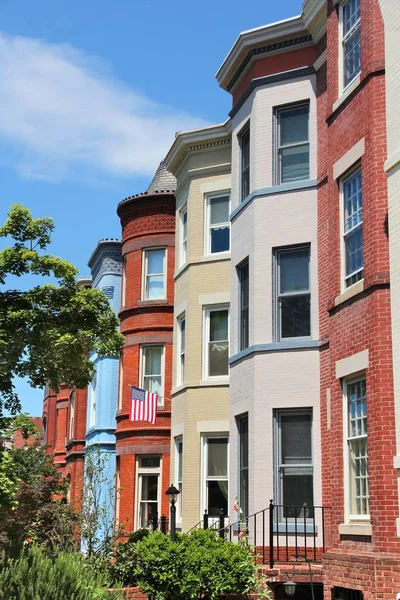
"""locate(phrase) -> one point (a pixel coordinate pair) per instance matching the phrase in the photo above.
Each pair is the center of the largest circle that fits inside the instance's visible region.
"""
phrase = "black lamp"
(172, 494)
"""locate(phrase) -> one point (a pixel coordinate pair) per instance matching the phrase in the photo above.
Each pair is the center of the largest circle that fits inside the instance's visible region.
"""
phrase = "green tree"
(47, 332)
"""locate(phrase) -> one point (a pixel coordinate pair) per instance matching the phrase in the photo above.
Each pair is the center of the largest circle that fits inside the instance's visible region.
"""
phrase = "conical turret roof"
(163, 181)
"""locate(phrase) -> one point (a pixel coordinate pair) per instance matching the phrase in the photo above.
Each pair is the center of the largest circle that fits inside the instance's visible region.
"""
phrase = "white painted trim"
(207, 223)
(350, 292)
(349, 159)
(346, 93)
(207, 310)
(212, 426)
(321, 60)
(216, 298)
(392, 161)
(352, 364)
(355, 529)
(223, 184)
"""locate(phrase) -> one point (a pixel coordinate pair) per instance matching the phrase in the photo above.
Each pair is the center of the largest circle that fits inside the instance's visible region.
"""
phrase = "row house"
(200, 161)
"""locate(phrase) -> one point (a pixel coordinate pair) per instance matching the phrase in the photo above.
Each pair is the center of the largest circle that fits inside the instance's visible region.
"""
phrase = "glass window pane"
(219, 210)
(293, 125)
(295, 316)
(354, 251)
(294, 270)
(182, 325)
(155, 287)
(217, 498)
(244, 441)
(149, 487)
(295, 439)
(351, 14)
(155, 261)
(352, 59)
(218, 359)
(218, 325)
(220, 239)
(297, 489)
(153, 360)
(217, 464)
(152, 384)
(180, 451)
(295, 163)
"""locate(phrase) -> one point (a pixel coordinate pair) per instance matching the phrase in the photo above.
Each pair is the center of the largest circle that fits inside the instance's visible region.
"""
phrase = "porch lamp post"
(172, 494)
(290, 586)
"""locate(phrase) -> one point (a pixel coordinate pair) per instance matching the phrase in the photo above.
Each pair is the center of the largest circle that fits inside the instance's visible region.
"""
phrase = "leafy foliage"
(35, 576)
(9, 484)
(47, 332)
(123, 563)
(198, 565)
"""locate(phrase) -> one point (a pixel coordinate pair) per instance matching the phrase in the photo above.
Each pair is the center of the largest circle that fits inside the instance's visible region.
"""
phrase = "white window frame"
(349, 517)
(208, 227)
(93, 400)
(342, 85)
(121, 380)
(207, 310)
(181, 353)
(204, 477)
(246, 129)
(277, 453)
(183, 241)
(179, 480)
(342, 181)
(71, 415)
(278, 295)
(143, 348)
(145, 274)
(123, 282)
(278, 110)
(143, 471)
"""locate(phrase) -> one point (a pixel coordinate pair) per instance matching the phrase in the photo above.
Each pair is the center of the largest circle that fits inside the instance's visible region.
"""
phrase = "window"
(109, 291)
(123, 290)
(244, 141)
(181, 350)
(92, 408)
(293, 147)
(183, 236)
(71, 415)
(154, 266)
(117, 492)
(243, 273)
(218, 224)
(351, 40)
(149, 474)
(357, 448)
(294, 468)
(243, 432)
(178, 470)
(152, 370)
(293, 302)
(339, 593)
(44, 432)
(217, 342)
(351, 187)
(121, 380)
(216, 475)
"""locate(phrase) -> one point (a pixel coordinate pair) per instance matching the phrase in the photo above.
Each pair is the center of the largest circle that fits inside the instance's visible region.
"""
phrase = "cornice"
(256, 41)
(196, 140)
(314, 17)
(103, 246)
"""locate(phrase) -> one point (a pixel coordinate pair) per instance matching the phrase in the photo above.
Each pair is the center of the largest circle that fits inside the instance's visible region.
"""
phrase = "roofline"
(101, 244)
(185, 139)
(142, 195)
(259, 35)
(84, 281)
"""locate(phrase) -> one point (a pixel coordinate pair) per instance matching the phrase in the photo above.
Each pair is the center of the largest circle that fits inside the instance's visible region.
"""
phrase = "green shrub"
(35, 576)
(197, 565)
(123, 562)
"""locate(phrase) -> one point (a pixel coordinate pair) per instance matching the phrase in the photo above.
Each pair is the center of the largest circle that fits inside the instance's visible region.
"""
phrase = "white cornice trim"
(254, 37)
(320, 60)
(314, 17)
(218, 169)
(195, 140)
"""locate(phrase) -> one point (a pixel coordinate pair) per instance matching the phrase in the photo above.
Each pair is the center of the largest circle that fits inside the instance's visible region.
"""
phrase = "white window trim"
(144, 271)
(277, 110)
(277, 448)
(207, 222)
(178, 440)
(142, 369)
(71, 415)
(246, 127)
(277, 312)
(206, 335)
(138, 483)
(204, 457)
(93, 400)
(179, 378)
(121, 380)
(350, 518)
(183, 251)
(356, 167)
(123, 282)
(342, 86)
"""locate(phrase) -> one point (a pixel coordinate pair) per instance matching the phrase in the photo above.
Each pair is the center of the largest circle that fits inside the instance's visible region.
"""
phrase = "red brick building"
(143, 449)
(359, 481)
(55, 424)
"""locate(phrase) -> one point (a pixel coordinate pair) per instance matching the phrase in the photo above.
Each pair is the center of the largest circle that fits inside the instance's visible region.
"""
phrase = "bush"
(35, 576)
(123, 563)
(197, 565)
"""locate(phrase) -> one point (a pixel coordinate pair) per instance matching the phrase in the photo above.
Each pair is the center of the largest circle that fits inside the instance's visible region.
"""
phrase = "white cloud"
(63, 115)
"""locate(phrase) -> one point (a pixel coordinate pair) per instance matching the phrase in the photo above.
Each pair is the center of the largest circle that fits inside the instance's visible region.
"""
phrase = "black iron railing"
(218, 523)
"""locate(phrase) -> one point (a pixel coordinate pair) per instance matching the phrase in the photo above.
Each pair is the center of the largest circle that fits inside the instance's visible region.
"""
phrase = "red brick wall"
(147, 221)
(362, 322)
(75, 448)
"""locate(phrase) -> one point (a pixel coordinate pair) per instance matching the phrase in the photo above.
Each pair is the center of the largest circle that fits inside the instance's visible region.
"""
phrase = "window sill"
(213, 382)
(215, 257)
(153, 302)
(350, 292)
(346, 92)
(363, 529)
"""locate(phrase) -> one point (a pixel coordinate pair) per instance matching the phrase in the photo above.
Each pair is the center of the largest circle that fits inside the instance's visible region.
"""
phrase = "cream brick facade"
(391, 17)
(200, 160)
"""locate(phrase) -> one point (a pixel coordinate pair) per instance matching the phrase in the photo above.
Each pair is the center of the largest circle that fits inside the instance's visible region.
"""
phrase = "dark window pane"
(243, 424)
(219, 208)
(295, 163)
(218, 359)
(245, 168)
(293, 125)
(352, 60)
(217, 457)
(219, 239)
(217, 498)
(244, 306)
(295, 438)
(297, 489)
(294, 270)
(218, 325)
(295, 316)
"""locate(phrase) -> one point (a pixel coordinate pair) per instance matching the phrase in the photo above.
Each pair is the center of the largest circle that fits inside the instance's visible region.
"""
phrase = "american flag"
(143, 405)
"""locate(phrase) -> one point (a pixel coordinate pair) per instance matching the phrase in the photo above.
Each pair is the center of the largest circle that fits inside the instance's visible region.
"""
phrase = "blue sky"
(91, 94)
